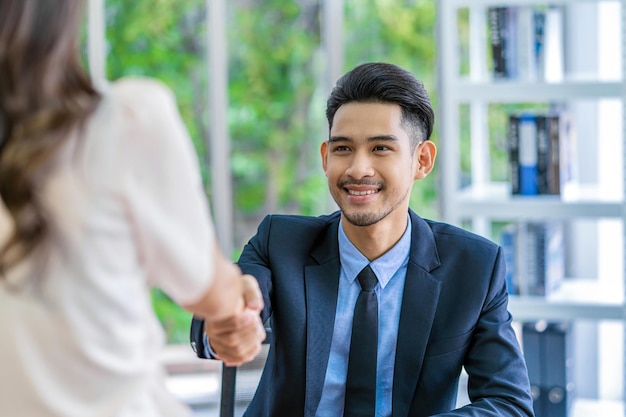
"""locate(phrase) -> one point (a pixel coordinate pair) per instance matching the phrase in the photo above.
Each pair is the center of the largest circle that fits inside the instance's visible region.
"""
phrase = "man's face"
(369, 163)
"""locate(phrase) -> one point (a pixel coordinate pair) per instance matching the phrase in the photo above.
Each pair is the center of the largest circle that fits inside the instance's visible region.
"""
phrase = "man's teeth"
(352, 192)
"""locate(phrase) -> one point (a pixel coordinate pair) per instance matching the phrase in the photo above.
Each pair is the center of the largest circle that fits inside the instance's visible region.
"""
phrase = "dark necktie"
(361, 380)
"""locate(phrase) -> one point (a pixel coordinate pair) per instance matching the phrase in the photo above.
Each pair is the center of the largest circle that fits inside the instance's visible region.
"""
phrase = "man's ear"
(324, 154)
(425, 155)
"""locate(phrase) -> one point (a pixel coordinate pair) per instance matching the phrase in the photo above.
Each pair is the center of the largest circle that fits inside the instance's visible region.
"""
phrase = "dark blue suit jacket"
(454, 314)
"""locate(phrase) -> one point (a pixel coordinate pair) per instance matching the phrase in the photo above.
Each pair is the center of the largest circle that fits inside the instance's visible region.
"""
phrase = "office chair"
(228, 398)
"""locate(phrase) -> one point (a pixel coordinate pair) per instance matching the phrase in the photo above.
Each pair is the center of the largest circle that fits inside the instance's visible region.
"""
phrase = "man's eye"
(381, 148)
(341, 149)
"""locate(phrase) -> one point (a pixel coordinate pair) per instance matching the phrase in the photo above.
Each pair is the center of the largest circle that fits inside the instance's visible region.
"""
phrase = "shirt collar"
(385, 267)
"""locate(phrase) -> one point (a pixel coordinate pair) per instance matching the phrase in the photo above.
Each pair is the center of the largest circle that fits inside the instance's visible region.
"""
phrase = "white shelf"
(582, 407)
(538, 308)
(485, 3)
(495, 201)
(467, 88)
(575, 299)
(511, 92)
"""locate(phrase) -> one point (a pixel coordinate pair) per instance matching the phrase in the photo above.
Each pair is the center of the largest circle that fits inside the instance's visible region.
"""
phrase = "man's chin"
(362, 219)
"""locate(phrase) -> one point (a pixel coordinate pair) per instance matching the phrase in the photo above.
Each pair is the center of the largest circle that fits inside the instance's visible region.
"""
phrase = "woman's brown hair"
(45, 92)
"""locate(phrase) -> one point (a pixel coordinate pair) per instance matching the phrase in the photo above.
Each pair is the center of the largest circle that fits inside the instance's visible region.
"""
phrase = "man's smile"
(358, 192)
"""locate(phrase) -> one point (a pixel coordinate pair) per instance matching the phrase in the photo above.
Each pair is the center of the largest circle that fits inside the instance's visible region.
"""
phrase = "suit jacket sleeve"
(498, 378)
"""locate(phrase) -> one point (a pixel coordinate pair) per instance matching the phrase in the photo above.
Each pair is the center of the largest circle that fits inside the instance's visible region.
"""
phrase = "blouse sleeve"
(163, 192)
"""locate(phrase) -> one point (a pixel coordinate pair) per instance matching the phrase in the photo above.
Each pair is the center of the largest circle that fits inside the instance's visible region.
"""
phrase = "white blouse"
(127, 212)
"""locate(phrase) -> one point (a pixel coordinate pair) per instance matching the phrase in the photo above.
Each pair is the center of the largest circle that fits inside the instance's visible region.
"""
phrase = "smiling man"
(375, 310)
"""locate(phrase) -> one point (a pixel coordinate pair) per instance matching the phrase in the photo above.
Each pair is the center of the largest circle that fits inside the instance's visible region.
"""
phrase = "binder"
(557, 379)
(532, 353)
(549, 358)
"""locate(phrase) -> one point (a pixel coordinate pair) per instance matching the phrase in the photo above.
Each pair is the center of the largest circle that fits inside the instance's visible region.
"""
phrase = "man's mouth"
(365, 192)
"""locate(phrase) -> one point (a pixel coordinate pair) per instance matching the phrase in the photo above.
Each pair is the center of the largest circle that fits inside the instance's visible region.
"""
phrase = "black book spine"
(543, 156)
(554, 168)
(497, 22)
(513, 139)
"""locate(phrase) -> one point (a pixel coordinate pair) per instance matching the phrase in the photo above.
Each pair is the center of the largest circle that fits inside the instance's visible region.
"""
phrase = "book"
(535, 258)
(553, 169)
(497, 18)
(553, 45)
(513, 148)
(511, 35)
(542, 152)
(547, 241)
(524, 259)
(534, 254)
(508, 236)
(548, 153)
(568, 164)
(539, 23)
(526, 57)
(543, 157)
(554, 250)
(517, 38)
(528, 170)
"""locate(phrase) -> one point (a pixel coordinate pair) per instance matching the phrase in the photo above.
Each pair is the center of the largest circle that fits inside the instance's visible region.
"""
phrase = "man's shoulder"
(293, 235)
(448, 231)
(299, 222)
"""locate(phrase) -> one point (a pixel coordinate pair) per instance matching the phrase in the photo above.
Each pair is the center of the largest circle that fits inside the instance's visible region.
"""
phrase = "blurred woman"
(100, 200)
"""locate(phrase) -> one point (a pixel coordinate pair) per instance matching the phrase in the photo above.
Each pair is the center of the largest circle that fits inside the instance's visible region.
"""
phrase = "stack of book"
(534, 254)
(541, 149)
(526, 42)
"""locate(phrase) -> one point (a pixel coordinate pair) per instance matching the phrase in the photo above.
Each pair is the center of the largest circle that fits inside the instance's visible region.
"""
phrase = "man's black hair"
(379, 82)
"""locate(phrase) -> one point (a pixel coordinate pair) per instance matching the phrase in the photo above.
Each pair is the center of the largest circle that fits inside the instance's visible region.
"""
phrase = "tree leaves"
(277, 94)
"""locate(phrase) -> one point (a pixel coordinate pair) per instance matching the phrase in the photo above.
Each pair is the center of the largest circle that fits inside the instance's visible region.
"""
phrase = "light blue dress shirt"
(390, 269)
(391, 272)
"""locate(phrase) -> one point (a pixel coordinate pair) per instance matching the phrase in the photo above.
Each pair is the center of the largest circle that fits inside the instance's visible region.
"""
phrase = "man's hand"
(237, 339)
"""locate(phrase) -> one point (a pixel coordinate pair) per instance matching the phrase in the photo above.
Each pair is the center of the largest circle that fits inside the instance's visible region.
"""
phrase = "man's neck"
(375, 240)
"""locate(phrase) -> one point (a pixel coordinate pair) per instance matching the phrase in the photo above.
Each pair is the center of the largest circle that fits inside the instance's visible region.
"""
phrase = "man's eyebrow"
(339, 139)
(377, 138)
(383, 138)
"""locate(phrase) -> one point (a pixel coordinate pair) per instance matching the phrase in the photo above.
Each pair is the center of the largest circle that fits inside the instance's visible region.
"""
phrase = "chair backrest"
(239, 383)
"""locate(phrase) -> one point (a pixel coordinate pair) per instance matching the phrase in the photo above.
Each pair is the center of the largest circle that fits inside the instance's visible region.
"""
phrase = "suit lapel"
(419, 304)
(322, 285)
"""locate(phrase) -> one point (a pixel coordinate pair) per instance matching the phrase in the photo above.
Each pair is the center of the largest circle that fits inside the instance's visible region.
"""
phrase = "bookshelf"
(473, 200)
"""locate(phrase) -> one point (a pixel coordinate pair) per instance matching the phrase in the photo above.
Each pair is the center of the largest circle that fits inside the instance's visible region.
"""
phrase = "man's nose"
(360, 166)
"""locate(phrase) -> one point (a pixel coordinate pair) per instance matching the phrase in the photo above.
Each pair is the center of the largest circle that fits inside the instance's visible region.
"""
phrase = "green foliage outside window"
(276, 91)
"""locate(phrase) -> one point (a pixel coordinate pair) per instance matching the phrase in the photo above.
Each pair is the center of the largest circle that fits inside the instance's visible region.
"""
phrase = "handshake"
(237, 339)
(231, 310)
